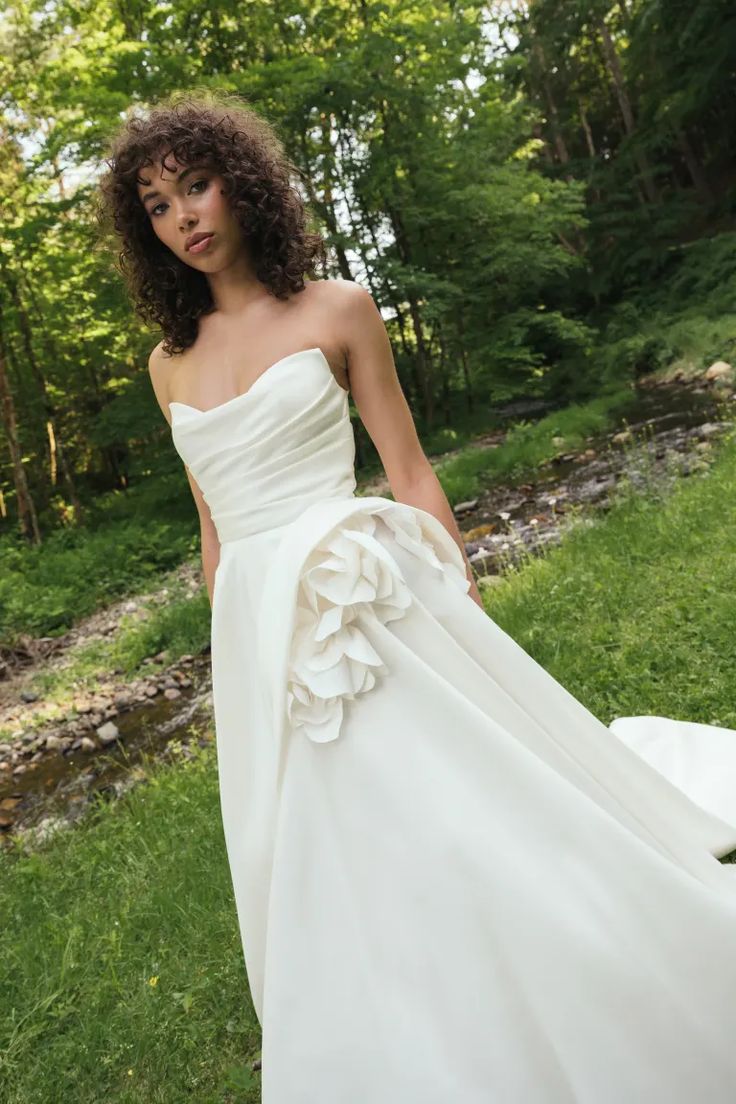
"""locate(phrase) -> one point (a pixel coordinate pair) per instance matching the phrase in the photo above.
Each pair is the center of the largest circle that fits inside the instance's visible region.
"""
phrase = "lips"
(196, 238)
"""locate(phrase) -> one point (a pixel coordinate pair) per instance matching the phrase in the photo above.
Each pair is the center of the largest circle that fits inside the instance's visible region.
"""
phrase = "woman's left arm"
(385, 413)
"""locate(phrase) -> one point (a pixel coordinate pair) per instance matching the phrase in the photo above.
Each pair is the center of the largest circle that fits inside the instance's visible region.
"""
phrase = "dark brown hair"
(222, 131)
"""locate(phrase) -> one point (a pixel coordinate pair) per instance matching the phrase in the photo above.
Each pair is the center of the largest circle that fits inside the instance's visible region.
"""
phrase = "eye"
(202, 180)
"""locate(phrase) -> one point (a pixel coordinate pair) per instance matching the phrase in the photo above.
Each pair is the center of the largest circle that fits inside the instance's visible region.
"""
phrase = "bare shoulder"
(344, 293)
(160, 366)
(357, 322)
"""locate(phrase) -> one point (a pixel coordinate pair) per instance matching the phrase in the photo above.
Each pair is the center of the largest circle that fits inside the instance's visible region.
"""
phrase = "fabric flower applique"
(350, 574)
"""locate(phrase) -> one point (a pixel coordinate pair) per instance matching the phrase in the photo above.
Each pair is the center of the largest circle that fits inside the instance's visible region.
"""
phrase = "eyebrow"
(182, 174)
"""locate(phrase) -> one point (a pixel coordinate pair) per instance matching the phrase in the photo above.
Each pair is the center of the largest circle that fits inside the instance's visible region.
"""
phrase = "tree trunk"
(552, 112)
(54, 437)
(27, 516)
(613, 65)
(697, 173)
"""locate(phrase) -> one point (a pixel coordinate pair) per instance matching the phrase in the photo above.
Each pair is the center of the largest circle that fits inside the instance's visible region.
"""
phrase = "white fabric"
(455, 885)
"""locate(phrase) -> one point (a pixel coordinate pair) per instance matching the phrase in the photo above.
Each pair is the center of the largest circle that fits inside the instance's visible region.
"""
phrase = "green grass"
(528, 446)
(177, 626)
(129, 540)
(684, 320)
(633, 614)
(122, 974)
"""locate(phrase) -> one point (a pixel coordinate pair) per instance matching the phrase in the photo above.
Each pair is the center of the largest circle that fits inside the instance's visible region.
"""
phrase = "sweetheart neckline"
(265, 372)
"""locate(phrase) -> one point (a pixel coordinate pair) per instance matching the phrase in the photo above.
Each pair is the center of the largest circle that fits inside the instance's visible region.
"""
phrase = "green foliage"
(551, 216)
(689, 320)
(131, 538)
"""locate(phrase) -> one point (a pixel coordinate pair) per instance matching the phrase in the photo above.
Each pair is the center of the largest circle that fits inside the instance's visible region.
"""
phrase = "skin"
(338, 316)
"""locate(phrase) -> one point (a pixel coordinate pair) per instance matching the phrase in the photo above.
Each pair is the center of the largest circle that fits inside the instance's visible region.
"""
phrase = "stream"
(49, 777)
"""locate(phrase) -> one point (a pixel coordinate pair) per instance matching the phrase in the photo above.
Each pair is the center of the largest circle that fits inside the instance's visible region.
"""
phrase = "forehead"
(164, 170)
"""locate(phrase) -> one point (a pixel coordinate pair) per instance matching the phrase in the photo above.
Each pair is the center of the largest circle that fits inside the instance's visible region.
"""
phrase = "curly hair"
(218, 129)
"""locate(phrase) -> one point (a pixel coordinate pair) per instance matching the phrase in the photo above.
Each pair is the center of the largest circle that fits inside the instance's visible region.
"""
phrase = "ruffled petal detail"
(349, 575)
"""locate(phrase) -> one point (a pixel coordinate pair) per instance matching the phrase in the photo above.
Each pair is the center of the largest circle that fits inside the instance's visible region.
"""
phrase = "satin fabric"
(453, 882)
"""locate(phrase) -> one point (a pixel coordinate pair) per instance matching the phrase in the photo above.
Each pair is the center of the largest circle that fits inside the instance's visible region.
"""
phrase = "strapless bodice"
(262, 457)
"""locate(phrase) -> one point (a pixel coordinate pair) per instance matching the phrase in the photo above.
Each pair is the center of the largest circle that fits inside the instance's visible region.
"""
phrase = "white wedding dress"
(455, 885)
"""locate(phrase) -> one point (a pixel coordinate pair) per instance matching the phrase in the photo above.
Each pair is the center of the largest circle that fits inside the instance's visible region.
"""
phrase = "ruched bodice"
(263, 456)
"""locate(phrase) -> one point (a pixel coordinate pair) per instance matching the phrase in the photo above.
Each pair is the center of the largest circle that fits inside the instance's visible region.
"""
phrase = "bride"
(454, 884)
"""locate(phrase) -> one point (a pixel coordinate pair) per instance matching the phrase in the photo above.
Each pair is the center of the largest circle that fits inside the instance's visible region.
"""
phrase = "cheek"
(218, 205)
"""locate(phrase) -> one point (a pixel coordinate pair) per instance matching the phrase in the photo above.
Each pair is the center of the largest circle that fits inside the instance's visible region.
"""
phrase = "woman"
(454, 883)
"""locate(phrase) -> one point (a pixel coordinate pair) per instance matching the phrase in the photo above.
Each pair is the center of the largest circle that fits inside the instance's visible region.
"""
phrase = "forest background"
(539, 196)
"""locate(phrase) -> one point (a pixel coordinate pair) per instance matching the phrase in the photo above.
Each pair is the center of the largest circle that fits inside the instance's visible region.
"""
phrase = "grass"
(528, 446)
(634, 611)
(175, 621)
(129, 540)
(121, 972)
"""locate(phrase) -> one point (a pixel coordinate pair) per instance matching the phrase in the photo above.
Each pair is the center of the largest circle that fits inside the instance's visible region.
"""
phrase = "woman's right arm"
(159, 370)
(209, 540)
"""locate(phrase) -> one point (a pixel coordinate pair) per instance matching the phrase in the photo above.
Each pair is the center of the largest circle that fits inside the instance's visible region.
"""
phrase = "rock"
(108, 733)
(171, 693)
(478, 532)
(19, 769)
(458, 508)
(708, 429)
(123, 700)
(622, 437)
(46, 828)
(88, 744)
(152, 691)
(721, 369)
(28, 696)
(54, 743)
